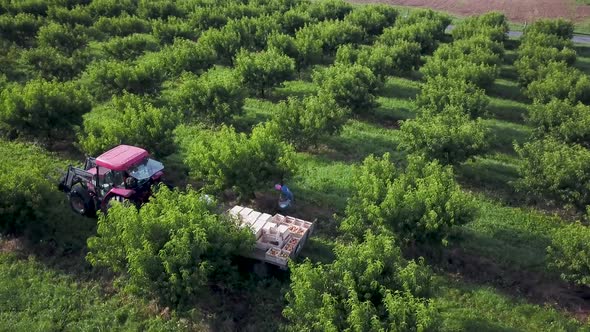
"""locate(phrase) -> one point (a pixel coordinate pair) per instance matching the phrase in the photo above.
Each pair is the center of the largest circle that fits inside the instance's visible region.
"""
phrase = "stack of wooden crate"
(278, 237)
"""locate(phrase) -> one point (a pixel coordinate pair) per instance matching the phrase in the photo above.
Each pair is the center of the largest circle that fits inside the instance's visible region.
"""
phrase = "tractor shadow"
(60, 245)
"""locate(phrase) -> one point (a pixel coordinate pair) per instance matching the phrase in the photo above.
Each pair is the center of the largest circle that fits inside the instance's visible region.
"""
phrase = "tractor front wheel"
(81, 202)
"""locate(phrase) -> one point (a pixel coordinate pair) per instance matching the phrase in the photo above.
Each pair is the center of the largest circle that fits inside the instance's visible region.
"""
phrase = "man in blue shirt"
(286, 196)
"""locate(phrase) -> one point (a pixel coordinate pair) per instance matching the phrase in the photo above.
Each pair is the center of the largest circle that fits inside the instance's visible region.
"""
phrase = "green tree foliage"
(20, 28)
(438, 93)
(154, 9)
(294, 19)
(253, 31)
(285, 44)
(216, 96)
(441, 21)
(225, 43)
(279, 6)
(203, 18)
(352, 86)
(126, 48)
(43, 109)
(235, 10)
(264, 70)
(373, 18)
(478, 49)
(107, 78)
(225, 159)
(555, 170)
(250, 33)
(183, 55)
(331, 34)
(562, 119)
(558, 80)
(544, 42)
(369, 287)
(304, 123)
(532, 58)
(569, 253)
(121, 26)
(492, 25)
(482, 75)
(329, 9)
(450, 136)
(424, 27)
(475, 56)
(47, 63)
(309, 48)
(128, 119)
(63, 37)
(173, 247)
(421, 203)
(383, 60)
(28, 197)
(166, 31)
(77, 15)
(111, 8)
(35, 7)
(559, 27)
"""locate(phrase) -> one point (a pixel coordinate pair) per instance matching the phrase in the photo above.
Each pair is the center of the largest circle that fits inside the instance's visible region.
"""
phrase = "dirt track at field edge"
(515, 10)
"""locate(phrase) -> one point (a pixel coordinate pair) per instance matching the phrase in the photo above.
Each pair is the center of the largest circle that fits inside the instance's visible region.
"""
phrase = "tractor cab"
(124, 173)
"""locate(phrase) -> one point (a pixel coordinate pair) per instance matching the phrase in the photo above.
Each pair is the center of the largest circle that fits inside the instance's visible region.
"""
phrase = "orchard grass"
(506, 110)
(471, 307)
(583, 61)
(514, 238)
(34, 297)
(507, 231)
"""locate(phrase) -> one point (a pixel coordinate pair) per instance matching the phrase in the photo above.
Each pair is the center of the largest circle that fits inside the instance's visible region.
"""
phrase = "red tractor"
(124, 173)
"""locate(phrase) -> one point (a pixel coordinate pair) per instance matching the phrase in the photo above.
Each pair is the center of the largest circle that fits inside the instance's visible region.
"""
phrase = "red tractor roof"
(121, 157)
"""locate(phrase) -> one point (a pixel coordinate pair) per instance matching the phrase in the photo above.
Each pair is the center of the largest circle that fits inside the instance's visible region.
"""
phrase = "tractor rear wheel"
(81, 202)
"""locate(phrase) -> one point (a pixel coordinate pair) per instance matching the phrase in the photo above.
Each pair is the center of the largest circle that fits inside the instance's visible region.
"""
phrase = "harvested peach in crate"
(278, 237)
(289, 247)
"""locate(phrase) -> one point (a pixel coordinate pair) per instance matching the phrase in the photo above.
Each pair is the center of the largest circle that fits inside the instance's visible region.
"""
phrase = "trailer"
(278, 238)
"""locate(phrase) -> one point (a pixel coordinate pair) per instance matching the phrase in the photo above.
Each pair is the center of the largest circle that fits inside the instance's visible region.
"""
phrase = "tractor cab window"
(108, 179)
(145, 170)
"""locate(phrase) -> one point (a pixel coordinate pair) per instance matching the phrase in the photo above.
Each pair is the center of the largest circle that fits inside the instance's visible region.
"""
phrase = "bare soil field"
(515, 10)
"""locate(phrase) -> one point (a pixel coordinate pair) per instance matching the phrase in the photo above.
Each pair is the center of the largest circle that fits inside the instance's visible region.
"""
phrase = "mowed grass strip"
(468, 307)
(36, 298)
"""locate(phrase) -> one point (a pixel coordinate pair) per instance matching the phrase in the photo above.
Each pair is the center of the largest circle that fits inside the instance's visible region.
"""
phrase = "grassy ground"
(468, 307)
(508, 235)
(36, 298)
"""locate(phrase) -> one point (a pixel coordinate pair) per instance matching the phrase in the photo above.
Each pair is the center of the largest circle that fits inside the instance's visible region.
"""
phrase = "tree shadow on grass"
(297, 88)
(254, 302)
(489, 176)
(356, 145)
(60, 245)
(395, 88)
(583, 61)
(507, 111)
(511, 44)
(508, 72)
(583, 50)
(504, 89)
(503, 135)
(319, 249)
